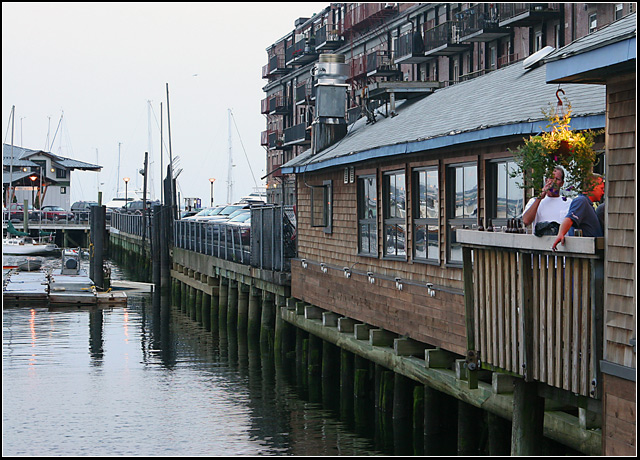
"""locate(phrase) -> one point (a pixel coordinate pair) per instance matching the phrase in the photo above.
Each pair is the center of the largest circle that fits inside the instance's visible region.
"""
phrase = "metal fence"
(269, 243)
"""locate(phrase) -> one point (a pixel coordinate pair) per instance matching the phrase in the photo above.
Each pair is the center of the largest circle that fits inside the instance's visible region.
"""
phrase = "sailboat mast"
(230, 164)
(118, 178)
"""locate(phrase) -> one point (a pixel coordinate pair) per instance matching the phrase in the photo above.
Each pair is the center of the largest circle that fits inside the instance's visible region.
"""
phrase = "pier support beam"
(528, 417)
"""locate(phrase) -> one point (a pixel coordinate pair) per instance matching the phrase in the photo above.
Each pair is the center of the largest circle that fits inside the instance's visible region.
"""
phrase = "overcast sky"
(100, 64)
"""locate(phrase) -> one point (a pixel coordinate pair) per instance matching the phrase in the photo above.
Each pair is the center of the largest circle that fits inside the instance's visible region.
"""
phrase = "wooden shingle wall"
(620, 232)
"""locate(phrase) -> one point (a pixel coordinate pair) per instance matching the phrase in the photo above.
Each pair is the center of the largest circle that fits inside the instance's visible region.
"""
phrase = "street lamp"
(212, 180)
(33, 178)
(126, 191)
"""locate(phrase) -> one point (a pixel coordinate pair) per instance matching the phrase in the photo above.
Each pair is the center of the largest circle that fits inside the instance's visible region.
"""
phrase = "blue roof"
(591, 58)
(506, 102)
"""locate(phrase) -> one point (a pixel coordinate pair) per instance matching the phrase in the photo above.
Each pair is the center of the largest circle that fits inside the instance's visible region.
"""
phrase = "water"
(145, 380)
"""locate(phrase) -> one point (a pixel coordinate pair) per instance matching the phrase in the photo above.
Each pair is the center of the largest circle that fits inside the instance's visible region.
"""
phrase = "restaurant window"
(367, 216)
(505, 199)
(395, 212)
(462, 205)
(425, 215)
(321, 202)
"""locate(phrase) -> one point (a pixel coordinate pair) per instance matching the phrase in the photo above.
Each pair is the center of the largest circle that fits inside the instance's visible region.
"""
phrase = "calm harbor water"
(145, 380)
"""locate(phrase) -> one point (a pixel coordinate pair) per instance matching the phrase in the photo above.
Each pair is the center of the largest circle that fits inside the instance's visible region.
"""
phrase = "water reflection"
(147, 380)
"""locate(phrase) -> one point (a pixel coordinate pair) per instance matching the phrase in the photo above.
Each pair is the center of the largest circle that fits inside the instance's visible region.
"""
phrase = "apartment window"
(61, 173)
(593, 23)
(321, 203)
(538, 40)
(425, 215)
(395, 213)
(505, 200)
(367, 216)
(619, 10)
(462, 204)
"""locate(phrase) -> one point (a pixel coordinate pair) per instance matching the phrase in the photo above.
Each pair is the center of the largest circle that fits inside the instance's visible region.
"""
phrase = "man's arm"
(530, 214)
(564, 228)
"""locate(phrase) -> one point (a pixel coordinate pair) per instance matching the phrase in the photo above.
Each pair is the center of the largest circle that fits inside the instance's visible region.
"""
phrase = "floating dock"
(53, 288)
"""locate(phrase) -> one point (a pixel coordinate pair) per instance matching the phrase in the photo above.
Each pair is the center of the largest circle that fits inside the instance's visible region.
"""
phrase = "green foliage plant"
(560, 146)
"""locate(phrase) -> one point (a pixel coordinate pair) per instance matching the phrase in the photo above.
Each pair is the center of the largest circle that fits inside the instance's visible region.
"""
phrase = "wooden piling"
(223, 302)
(254, 312)
(243, 306)
(528, 417)
(470, 425)
(232, 305)
(267, 320)
(440, 422)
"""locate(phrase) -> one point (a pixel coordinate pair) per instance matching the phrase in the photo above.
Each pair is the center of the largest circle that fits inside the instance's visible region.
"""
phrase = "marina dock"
(48, 288)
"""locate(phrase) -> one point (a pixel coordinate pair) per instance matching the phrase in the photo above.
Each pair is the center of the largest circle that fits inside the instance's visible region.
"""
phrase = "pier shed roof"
(506, 102)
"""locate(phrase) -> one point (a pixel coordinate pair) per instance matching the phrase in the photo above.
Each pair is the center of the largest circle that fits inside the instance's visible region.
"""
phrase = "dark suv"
(82, 209)
(136, 207)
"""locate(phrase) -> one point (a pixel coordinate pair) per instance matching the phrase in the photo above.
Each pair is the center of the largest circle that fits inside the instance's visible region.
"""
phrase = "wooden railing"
(534, 312)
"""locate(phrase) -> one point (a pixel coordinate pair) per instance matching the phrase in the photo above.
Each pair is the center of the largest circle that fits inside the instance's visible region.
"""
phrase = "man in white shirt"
(549, 206)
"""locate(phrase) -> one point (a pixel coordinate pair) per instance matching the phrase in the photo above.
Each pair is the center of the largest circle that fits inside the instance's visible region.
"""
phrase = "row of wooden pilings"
(416, 418)
(413, 417)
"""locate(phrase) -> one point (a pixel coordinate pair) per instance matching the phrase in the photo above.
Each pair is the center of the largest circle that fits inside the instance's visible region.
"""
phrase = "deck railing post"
(472, 361)
(525, 272)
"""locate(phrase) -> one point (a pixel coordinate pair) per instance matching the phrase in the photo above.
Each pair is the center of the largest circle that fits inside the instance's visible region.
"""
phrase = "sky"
(95, 76)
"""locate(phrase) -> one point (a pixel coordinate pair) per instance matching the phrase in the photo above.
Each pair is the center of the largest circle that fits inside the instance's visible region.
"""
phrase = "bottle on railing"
(480, 226)
(489, 225)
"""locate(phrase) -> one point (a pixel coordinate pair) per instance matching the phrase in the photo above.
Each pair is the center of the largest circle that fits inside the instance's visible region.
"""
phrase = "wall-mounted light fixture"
(430, 290)
(323, 267)
(304, 263)
(398, 283)
(371, 277)
(347, 272)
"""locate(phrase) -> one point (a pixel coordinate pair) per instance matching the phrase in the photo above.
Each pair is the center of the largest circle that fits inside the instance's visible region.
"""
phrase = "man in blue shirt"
(581, 214)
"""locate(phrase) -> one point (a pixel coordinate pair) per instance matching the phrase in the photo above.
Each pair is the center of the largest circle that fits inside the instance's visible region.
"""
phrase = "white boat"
(27, 246)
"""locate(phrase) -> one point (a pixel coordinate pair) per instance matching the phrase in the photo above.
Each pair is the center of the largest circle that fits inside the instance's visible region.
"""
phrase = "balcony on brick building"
(409, 48)
(480, 23)
(364, 15)
(527, 14)
(444, 40)
(297, 135)
(328, 38)
(380, 64)
(301, 52)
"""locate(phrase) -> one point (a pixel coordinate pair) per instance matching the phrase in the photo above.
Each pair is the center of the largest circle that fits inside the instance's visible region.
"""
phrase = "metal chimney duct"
(329, 124)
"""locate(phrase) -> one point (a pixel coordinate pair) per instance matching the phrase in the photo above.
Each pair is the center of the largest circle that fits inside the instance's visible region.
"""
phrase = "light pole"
(212, 180)
(126, 190)
(33, 178)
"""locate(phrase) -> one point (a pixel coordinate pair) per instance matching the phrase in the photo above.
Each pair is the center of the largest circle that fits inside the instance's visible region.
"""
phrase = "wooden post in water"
(440, 421)
(528, 419)
(243, 306)
(98, 232)
(155, 246)
(470, 425)
(197, 308)
(232, 304)
(223, 301)
(215, 303)
(165, 236)
(254, 312)
(267, 320)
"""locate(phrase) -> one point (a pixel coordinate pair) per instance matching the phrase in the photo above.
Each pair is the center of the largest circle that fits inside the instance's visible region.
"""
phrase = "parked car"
(82, 209)
(16, 213)
(224, 214)
(205, 213)
(137, 206)
(56, 213)
(240, 225)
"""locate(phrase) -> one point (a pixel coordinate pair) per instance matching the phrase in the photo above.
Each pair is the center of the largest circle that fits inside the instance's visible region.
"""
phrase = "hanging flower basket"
(560, 146)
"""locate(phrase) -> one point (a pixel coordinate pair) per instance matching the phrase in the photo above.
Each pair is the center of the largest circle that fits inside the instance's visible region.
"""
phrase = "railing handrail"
(535, 312)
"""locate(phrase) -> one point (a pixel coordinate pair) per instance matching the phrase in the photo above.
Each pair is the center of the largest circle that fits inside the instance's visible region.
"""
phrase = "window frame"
(492, 182)
(393, 221)
(326, 199)
(453, 222)
(427, 222)
(370, 221)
